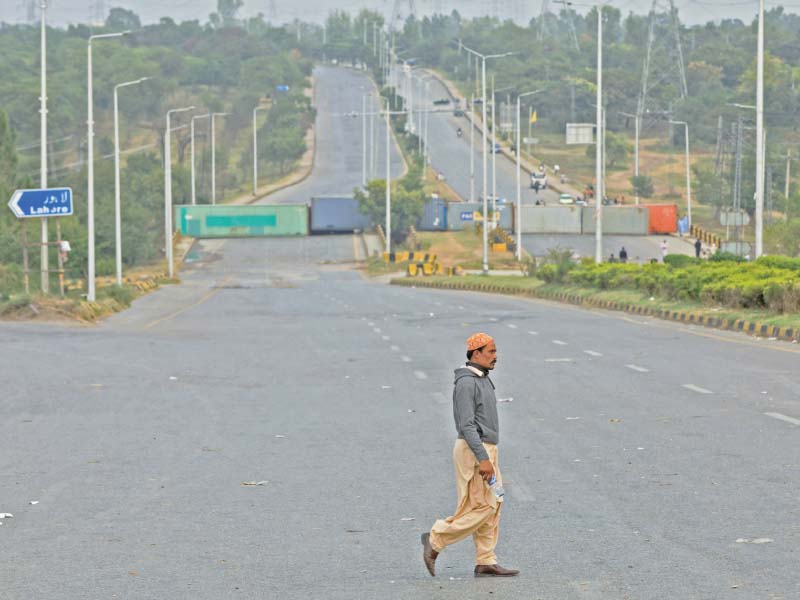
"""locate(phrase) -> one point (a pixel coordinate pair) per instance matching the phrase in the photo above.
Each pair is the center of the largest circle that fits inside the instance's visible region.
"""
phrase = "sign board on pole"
(282, 88)
(530, 140)
(580, 133)
(732, 218)
(466, 216)
(56, 202)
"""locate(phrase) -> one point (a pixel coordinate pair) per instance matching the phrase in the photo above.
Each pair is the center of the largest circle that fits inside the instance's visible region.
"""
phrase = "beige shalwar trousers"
(478, 511)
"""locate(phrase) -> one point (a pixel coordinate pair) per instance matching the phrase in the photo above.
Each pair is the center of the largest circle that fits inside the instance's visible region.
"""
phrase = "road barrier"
(618, 220)
(706, 237)
(226, 221)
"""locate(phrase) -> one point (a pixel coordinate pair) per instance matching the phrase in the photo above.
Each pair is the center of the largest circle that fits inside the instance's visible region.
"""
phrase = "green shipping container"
(223, 221)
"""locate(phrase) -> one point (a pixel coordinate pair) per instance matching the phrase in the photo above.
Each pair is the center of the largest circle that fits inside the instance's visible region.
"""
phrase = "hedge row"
(771, 282)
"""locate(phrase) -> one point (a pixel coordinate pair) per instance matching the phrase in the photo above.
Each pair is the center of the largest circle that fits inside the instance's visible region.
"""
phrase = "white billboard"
(580, 133)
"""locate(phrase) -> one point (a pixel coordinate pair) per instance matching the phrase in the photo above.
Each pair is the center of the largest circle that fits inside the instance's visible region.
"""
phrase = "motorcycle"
(459, 133)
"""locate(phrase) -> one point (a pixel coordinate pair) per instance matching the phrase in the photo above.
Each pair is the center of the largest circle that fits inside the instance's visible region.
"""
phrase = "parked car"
(497, 148)
(441, 101)
(566, 199)
(541, 178)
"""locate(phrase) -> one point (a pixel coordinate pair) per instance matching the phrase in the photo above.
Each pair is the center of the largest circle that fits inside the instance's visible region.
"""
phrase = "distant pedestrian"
(698, 247)
(623, 255)
(611, 258)
(536, 186)
(478, 479)
(556, 169)
(664, 250)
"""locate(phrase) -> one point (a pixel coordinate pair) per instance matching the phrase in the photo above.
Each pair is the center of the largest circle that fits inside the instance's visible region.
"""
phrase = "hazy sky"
(73, 11)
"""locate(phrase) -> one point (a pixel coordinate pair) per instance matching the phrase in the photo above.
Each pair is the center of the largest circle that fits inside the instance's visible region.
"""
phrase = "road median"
(755, 323)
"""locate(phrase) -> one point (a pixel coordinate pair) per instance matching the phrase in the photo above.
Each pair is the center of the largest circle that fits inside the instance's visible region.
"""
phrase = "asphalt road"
(339, 148)
(450, 155)
(637, 453)
(642, 459)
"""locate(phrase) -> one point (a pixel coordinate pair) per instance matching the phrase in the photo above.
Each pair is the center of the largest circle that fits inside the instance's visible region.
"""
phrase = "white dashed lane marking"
(395, 348)
(511, 326)
(638, 369)
(534, 332)
(559, 343)
(558, 360)
(440, 398)
(386, 337)
(420, 375)
(377, 330)
(784, 418)
(592, 353)
(697, 388)
(405, 359)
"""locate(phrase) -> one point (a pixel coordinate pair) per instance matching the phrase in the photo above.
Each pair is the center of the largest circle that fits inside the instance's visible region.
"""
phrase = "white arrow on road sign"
(13, 204)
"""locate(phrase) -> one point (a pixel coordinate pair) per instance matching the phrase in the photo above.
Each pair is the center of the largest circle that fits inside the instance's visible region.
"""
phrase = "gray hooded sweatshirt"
(475, 410)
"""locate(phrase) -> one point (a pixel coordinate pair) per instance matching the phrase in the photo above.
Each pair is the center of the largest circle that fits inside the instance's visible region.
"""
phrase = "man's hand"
(486, 470)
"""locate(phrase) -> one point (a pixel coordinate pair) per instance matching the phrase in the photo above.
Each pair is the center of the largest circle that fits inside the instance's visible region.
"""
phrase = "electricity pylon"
(399, 17)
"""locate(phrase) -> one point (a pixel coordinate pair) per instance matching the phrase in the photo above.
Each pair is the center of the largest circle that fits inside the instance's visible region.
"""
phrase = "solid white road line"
(697, 388)
(638, 368)
(592, 353)
(420, 375)
(559, 343)
(405, 359)
(781, 417)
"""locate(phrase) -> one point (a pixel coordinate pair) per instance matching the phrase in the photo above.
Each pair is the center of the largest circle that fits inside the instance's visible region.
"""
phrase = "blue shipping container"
(337, 214)
(435, 216)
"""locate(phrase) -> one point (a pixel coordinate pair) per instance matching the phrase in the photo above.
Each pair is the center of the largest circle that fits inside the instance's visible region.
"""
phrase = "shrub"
(679, 260)
(726, 257)
(10, 280)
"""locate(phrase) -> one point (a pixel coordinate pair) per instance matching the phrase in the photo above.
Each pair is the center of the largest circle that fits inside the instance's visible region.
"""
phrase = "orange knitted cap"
(478, 340)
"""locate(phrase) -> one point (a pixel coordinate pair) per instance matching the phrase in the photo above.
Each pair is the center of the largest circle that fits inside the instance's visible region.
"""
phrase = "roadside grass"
(463, 249)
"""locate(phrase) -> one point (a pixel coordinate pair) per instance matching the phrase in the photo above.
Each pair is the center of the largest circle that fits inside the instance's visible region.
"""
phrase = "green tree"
(642, 185)
(618, 148)
(122, 19)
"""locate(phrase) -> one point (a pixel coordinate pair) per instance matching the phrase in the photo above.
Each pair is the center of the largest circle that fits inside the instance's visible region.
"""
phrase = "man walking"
(478, 478)
(698, 247)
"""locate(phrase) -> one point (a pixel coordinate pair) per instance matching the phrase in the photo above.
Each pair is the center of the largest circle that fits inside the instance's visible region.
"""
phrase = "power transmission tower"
(272, 12)
(663, 69)
(30, 11)
(549, 25)
(400, 16)
(98, 8)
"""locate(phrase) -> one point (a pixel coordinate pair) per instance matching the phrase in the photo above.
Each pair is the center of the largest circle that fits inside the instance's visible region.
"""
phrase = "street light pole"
(168, 189)
(636, 122)
(598, 192)
(388, 180)
(688, 176)
(255, 148)
(519, 180)
(45, 274)
(760, 134)
(494, 158)
(191, 145)
(363, 140)
(91, 292)
(117, 202)
(214, 156)
(471, 151)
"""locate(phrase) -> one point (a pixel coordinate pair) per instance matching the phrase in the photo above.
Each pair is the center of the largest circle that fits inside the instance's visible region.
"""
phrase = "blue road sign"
(56, 202)
(466, 216)
(282, 88)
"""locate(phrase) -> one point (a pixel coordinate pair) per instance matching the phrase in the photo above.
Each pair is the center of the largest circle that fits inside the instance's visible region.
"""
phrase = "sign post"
(41, 204)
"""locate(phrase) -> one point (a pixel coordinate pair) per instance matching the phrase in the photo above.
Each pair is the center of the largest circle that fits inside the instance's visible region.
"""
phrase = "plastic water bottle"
(497, 489)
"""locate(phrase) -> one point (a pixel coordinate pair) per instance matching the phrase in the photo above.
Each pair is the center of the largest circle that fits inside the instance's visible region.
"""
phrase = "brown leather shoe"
(494, 571)
(429, 554)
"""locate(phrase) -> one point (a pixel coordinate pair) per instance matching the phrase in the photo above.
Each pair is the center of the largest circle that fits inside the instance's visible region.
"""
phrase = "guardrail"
(706, 236)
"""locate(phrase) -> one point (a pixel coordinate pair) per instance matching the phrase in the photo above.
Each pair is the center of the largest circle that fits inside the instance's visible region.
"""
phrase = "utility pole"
(760, 134)
(45, 273)
(191, 144)
(788, 179)
(168, 189)
(688, 177)
(388, 179)
(471, 150)
(214, 155)
(363, 140)
(598, 192)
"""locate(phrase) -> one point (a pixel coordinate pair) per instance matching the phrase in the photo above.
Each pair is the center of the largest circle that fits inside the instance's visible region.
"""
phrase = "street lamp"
(688, 177)
(760, 134)
(636, 122)
(494, 145)
(255, 147)
(483, 58)
(45, 276)
(191, 144)
(91, 293)
(519, 183)
(168, 189)
(214, 155)
(117, 209)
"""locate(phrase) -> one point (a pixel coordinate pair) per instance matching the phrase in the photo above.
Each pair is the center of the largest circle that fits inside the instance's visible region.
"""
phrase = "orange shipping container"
(663, 218)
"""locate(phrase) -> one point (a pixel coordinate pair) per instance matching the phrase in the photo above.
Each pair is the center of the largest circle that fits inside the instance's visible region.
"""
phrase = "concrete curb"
(787, 334)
